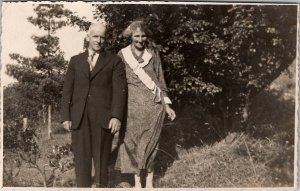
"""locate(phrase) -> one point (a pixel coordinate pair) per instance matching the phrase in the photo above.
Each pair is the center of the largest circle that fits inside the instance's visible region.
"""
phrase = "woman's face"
(139, 39)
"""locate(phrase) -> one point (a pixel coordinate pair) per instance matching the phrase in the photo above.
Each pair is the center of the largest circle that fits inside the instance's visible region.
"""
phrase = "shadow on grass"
(271, 117)
(186, 132)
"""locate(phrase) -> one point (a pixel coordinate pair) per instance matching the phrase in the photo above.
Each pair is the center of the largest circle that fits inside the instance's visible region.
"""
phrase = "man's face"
(96, 38)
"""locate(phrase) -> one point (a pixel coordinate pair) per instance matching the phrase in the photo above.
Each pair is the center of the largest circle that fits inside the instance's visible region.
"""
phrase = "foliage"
(13, 114)
(40, 81)
(58, 153)
(38, 161)
(60, 160)
(219, 56)
(43, 75)
(271, 116)
(11, 171)
(16, 95)
(46, 14)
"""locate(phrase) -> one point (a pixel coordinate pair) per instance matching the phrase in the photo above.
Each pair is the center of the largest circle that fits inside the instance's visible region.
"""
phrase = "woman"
(147, 104)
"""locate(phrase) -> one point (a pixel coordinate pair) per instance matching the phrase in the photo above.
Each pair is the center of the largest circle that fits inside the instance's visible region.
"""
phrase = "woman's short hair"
(134, 26)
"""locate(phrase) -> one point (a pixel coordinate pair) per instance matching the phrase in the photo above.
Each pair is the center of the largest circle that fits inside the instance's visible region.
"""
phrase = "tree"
(15, 105)
(216, 56)
(42, 76)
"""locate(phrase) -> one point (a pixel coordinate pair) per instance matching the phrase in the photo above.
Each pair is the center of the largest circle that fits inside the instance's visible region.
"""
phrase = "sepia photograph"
(154, 95)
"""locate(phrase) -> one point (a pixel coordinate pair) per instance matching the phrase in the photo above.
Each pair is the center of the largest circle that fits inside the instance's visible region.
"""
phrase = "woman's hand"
(170, 112)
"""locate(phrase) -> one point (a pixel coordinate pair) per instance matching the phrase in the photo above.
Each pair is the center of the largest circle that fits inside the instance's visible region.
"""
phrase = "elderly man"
(93, 103)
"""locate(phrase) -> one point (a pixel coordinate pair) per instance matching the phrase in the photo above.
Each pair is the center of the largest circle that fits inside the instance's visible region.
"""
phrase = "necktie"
(91, 61)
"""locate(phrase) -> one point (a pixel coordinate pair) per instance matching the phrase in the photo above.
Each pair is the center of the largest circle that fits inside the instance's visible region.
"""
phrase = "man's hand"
(67, 125)
(114, 125)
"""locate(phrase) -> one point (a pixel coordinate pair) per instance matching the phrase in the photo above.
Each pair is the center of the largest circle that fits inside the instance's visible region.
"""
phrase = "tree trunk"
(44, 114)
(49, 123)
(25, 124)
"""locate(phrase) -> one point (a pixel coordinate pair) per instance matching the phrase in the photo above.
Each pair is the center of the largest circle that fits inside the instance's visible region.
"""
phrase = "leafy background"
(230, 70)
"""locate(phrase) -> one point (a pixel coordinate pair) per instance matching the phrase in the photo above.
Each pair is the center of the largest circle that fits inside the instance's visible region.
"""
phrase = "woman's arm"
(161, 79)
(162, 84)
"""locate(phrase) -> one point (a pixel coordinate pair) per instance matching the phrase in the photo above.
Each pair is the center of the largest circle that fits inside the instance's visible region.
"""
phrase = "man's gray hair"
(95, 25)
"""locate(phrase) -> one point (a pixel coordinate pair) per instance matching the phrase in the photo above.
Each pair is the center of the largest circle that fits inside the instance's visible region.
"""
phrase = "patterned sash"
(140, 72)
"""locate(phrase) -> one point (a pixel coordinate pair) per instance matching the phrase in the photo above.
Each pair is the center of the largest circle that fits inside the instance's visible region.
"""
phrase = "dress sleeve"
(161, 79)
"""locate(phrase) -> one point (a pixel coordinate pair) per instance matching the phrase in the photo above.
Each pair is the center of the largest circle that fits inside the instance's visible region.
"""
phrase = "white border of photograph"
(78, 3)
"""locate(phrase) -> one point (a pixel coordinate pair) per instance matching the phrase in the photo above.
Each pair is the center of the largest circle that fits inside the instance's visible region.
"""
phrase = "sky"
(17, 32)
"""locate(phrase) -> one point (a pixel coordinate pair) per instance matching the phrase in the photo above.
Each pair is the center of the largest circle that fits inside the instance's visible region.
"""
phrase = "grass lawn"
(191, 155)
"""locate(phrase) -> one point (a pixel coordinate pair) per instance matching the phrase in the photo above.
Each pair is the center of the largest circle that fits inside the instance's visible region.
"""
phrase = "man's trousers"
(91, 142)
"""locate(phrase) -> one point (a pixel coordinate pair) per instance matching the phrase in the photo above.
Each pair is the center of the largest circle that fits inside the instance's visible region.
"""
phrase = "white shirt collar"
(95, 58)
(92, 51)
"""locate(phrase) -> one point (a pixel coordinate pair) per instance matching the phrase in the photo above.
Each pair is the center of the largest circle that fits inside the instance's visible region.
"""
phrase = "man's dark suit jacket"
(105, 87)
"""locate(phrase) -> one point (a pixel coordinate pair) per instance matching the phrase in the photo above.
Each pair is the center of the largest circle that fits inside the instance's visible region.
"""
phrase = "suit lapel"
(101, 62)
(84, 64)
